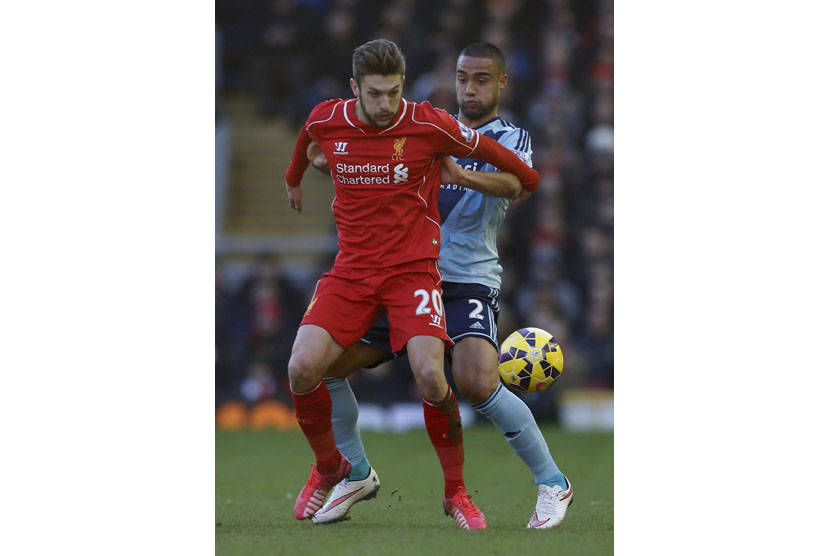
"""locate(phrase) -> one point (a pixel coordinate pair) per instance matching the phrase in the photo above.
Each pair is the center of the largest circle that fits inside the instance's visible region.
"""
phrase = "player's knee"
(474, 392)
(474, 381)
(431, 382)
(302, 373)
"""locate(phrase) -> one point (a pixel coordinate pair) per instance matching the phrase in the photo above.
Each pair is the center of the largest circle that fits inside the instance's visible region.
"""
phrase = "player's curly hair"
(377, 57)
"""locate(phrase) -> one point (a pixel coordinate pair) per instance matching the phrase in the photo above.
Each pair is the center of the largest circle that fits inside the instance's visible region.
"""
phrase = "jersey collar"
(351, 116)
(488, 122)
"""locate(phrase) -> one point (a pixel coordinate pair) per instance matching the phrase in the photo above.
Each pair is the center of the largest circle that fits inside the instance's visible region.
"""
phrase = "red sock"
(313, 411)
(444, 428)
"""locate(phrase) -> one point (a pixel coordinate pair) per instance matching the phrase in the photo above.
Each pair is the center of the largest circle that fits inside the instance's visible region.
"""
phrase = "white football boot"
(551, 505)
(345, 494)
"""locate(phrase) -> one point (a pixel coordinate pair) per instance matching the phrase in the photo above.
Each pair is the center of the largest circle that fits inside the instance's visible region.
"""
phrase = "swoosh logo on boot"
(344, 498)
(534, 521)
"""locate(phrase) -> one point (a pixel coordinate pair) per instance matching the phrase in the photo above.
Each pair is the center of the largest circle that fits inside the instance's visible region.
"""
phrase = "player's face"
(379, 97)
(478, 83)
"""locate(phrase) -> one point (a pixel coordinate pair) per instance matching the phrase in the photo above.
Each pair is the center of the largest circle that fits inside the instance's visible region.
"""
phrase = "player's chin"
(472, 113)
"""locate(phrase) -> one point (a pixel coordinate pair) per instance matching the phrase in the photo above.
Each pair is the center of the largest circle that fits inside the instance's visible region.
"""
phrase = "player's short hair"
(486, 50)
(377, 57)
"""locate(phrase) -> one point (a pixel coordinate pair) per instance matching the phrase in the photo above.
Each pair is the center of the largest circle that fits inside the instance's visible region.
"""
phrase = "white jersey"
(470, 221)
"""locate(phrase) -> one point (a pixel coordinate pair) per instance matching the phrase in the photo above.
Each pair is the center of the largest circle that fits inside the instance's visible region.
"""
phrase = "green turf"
(258, 475)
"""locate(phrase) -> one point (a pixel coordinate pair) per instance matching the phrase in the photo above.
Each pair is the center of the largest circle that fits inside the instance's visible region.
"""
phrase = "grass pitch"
(258, 475)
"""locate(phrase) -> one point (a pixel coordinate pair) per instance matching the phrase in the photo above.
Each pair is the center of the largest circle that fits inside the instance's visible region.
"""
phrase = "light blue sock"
(514, 420)
(344, 425)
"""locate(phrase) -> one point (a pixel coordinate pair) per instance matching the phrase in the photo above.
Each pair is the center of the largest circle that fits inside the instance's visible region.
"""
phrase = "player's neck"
(361, 115)
(480, 121)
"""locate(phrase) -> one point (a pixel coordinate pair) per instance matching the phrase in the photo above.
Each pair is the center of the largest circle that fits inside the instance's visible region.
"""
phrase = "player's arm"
(506, 160)
(295, 171)
(523, 196)
(461, 141)
(317, 158)
(495, 184)
(518, 140)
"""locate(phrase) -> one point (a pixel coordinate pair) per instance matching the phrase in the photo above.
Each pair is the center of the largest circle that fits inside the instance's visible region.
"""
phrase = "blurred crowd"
(557, 249)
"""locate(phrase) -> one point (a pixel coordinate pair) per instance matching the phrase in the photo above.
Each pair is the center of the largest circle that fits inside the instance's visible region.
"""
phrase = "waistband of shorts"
(418, 265)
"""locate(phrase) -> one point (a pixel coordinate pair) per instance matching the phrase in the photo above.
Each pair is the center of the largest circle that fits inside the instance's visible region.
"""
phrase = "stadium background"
(276, 59)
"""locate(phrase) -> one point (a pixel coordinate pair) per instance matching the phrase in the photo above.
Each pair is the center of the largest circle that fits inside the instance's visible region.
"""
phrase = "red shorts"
(347, 301)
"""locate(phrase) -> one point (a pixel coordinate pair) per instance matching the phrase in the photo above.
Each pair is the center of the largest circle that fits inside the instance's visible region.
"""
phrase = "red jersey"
(387, 180)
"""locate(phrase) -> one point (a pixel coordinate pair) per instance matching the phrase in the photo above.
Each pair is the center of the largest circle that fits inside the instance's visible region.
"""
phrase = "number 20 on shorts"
(425, 296)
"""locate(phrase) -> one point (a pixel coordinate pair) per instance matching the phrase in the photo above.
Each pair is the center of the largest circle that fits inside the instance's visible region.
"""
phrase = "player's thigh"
(313, 352)
(344, 306)
(357, 357)
(413, 304)
(475, 368)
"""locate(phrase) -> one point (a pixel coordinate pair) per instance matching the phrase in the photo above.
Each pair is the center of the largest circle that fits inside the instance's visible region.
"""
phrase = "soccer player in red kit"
(385, 155)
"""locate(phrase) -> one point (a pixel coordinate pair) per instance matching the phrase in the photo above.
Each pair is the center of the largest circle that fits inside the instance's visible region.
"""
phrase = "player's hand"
(451, 172)
(523, 196)
(315, 155)
(295, 197)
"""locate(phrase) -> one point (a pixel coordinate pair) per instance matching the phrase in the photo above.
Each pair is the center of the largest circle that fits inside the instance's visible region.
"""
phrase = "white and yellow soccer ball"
(530, 360)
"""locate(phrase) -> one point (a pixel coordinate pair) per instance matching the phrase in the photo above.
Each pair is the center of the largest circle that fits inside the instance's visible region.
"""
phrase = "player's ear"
(502, 81)
(355, 88)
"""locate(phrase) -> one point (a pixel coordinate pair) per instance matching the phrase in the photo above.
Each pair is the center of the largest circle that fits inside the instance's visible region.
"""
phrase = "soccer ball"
(530, 360)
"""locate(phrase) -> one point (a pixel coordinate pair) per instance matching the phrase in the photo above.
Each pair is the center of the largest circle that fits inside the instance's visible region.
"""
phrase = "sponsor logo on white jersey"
(466, 132)
(524, 156)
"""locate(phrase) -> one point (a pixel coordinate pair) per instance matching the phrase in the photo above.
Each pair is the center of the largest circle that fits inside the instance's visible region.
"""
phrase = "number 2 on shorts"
(476, 313)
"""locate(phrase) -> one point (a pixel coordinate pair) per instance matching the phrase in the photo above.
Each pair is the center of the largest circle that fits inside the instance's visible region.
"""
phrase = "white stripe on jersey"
(346, 115)
(333, 110)
(405, 105)
(445, 132)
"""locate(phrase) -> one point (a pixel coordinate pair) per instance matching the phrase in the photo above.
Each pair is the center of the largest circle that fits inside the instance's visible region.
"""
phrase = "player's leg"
(472, 313)
(416, 320)
(441, 415)
(443, 423)
(362, 482)
(340, 311)
(344, 410)
(313, 352)
(372, 349)
(475, 370)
